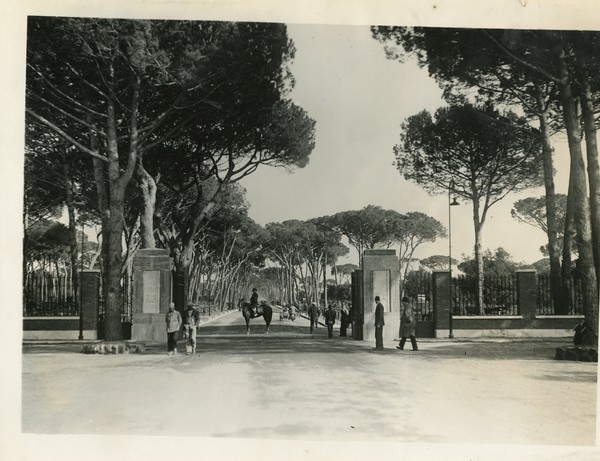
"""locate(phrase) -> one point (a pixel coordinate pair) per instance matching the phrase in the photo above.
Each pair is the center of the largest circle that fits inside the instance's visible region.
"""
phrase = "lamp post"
(81, 288)
(451, 203)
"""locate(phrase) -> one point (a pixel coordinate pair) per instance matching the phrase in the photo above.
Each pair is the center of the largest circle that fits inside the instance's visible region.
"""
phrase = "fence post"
(440, 281)
(90, 296)
(527, 295)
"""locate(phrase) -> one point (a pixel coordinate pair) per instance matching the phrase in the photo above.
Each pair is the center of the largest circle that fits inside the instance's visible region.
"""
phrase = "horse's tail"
(267, 313)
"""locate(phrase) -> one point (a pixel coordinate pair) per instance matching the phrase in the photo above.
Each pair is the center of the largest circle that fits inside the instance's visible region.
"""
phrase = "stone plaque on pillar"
(151, 294)
(381, 278)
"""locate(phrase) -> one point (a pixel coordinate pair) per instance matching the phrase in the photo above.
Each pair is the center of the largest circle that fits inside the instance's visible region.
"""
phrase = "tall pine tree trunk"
(586, 267)
(113, 268)
(567, 250)
(477, 226)
(593, 169)
(147, 186)
(551, 220)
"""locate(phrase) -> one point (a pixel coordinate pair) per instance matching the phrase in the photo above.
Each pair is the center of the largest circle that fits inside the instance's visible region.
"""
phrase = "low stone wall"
(525, 325)
(514, 326)
(55, 328)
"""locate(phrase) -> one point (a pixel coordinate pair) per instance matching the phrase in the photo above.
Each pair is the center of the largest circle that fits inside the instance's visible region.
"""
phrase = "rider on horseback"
(254, 303)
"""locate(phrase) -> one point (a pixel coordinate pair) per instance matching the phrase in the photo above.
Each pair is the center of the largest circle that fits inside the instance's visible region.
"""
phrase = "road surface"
(290, 385)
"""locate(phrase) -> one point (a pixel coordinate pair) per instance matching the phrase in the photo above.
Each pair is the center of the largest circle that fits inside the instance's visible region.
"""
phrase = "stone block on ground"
(576, 354)
(118, 347)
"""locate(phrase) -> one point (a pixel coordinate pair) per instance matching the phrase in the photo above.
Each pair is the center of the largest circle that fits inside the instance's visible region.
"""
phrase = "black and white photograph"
(305, 230)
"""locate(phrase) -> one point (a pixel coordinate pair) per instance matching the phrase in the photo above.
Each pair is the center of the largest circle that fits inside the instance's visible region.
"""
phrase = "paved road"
(290, 385)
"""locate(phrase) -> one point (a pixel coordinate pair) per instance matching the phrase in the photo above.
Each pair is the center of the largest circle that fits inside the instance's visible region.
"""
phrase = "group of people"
(190, 323)
(408, 325)
(330, 316)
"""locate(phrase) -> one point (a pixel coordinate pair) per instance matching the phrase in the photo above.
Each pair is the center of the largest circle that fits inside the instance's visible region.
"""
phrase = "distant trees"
(303, 249)
(365, 229)
(437, 262)
(496, 263)
(373, 227)
(532, 211)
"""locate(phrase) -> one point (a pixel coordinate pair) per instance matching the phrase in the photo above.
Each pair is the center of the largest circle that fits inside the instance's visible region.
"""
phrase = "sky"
(359, 99)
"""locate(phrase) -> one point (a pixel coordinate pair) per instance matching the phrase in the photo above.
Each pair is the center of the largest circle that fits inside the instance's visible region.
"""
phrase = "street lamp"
(450, 205)
(81, 287)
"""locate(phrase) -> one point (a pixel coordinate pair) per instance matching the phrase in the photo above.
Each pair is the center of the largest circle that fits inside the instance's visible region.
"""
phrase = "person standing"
(379, 323)
(313, 315)
(173, 320)
(254, 302)
(192, 320)
(344, 320)
(408, 325)
(330, 321)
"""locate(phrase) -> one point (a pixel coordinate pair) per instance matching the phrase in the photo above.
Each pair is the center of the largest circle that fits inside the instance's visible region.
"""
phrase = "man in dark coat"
(253, 302)
(379, 323)
(330, 321)
(344, 320)
(313, 314)
(407, 325)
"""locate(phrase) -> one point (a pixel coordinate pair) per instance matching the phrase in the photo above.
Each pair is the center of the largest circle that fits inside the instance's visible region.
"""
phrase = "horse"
(263, 310)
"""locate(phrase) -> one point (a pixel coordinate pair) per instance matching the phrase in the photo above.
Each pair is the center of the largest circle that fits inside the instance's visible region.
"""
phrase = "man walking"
(330, 321)
(313, 314)
(344, 320)
(379, 323)
(407, 325)
(192, 319)
(173, 320)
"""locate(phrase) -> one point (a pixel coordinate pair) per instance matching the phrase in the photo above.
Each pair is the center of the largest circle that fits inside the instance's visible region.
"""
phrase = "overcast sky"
(359, 100)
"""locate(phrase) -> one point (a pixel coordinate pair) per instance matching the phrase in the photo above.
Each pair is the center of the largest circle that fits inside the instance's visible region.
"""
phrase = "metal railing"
(418, 287)
(573, 297)
(499, 295)
(48, 295)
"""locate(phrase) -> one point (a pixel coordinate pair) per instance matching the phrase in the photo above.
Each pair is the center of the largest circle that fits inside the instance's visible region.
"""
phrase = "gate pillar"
(441, 303)
(151, 294)
(381, 277)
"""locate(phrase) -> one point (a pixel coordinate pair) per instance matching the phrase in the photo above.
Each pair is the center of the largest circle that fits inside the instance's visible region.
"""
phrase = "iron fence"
(127, 298)
(418, 287)
(573, 297)
(499, 295)
(49, 295)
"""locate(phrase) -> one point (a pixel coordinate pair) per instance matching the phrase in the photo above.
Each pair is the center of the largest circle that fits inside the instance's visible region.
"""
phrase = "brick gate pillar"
(527, 296)
(90, 297)
(441, 303)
